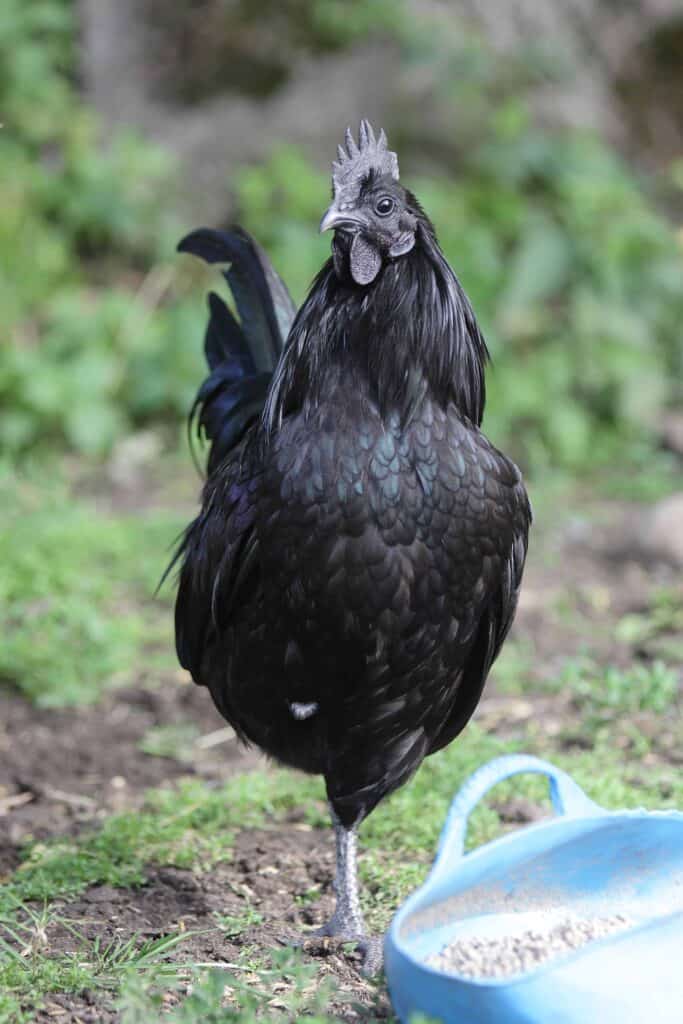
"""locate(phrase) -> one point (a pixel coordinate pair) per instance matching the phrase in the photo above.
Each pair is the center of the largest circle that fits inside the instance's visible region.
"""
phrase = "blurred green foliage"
(574, 274)
(89, 354)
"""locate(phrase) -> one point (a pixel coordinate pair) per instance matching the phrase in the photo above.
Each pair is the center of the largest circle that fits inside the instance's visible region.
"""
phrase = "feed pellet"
(502, 955)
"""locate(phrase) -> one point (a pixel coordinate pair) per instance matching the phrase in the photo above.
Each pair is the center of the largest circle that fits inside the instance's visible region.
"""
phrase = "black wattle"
(365, 260)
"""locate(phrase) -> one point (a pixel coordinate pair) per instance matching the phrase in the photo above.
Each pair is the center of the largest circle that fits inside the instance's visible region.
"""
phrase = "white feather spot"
(302, 711)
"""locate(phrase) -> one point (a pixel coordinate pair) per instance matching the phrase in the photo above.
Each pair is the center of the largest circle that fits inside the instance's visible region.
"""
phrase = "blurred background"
(545, 140)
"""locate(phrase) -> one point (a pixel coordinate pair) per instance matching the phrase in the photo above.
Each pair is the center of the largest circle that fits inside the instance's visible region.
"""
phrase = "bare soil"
(60, 769)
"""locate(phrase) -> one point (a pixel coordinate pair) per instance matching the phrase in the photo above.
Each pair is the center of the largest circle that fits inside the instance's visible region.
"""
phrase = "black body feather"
(360, 545)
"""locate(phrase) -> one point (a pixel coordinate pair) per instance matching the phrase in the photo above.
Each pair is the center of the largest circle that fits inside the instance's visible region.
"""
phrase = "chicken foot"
(347, 922)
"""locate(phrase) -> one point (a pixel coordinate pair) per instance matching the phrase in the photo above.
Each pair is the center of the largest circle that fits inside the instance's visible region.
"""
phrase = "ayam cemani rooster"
(356, 562)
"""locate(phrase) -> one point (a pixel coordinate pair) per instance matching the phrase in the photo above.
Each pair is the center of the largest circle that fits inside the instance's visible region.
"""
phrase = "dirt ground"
(270, 866)
(66, 767)
(63, 770)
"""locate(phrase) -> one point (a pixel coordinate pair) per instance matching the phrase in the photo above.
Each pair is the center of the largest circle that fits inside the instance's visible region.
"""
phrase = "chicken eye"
(384, 206)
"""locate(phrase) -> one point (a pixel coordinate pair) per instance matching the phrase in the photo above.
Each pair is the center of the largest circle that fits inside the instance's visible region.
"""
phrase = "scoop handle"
(567, 797)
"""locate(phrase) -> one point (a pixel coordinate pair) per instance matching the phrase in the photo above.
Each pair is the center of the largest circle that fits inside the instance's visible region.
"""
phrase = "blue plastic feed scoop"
(616, 876)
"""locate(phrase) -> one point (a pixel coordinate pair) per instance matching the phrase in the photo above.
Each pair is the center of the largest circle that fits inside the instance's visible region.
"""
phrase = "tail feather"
(263, 303)
(241, 355)
(224, 340)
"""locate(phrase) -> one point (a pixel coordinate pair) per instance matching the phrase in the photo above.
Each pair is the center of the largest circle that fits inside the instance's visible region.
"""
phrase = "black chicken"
(356, 563)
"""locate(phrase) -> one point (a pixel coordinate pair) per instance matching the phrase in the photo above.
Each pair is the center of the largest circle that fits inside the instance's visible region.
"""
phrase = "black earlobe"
(403, 244)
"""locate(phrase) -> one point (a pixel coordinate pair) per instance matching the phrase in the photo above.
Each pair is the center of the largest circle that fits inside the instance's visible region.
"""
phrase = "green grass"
(286, 984)
(77, 606)
(514, 665)
(234, 924)
(604, 692)
(29, 972)
(658, 629)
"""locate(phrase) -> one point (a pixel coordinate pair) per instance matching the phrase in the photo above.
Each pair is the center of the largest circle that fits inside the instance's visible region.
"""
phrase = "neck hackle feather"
(412, 334)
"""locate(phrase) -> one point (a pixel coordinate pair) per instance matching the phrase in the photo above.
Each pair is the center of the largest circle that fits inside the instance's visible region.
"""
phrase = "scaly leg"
(347, 922)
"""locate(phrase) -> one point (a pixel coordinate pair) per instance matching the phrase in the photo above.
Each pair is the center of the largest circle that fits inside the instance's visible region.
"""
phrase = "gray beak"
(334, 218)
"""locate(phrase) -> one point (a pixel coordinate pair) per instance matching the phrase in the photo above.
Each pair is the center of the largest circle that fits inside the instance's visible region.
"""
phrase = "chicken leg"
(347, 922)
